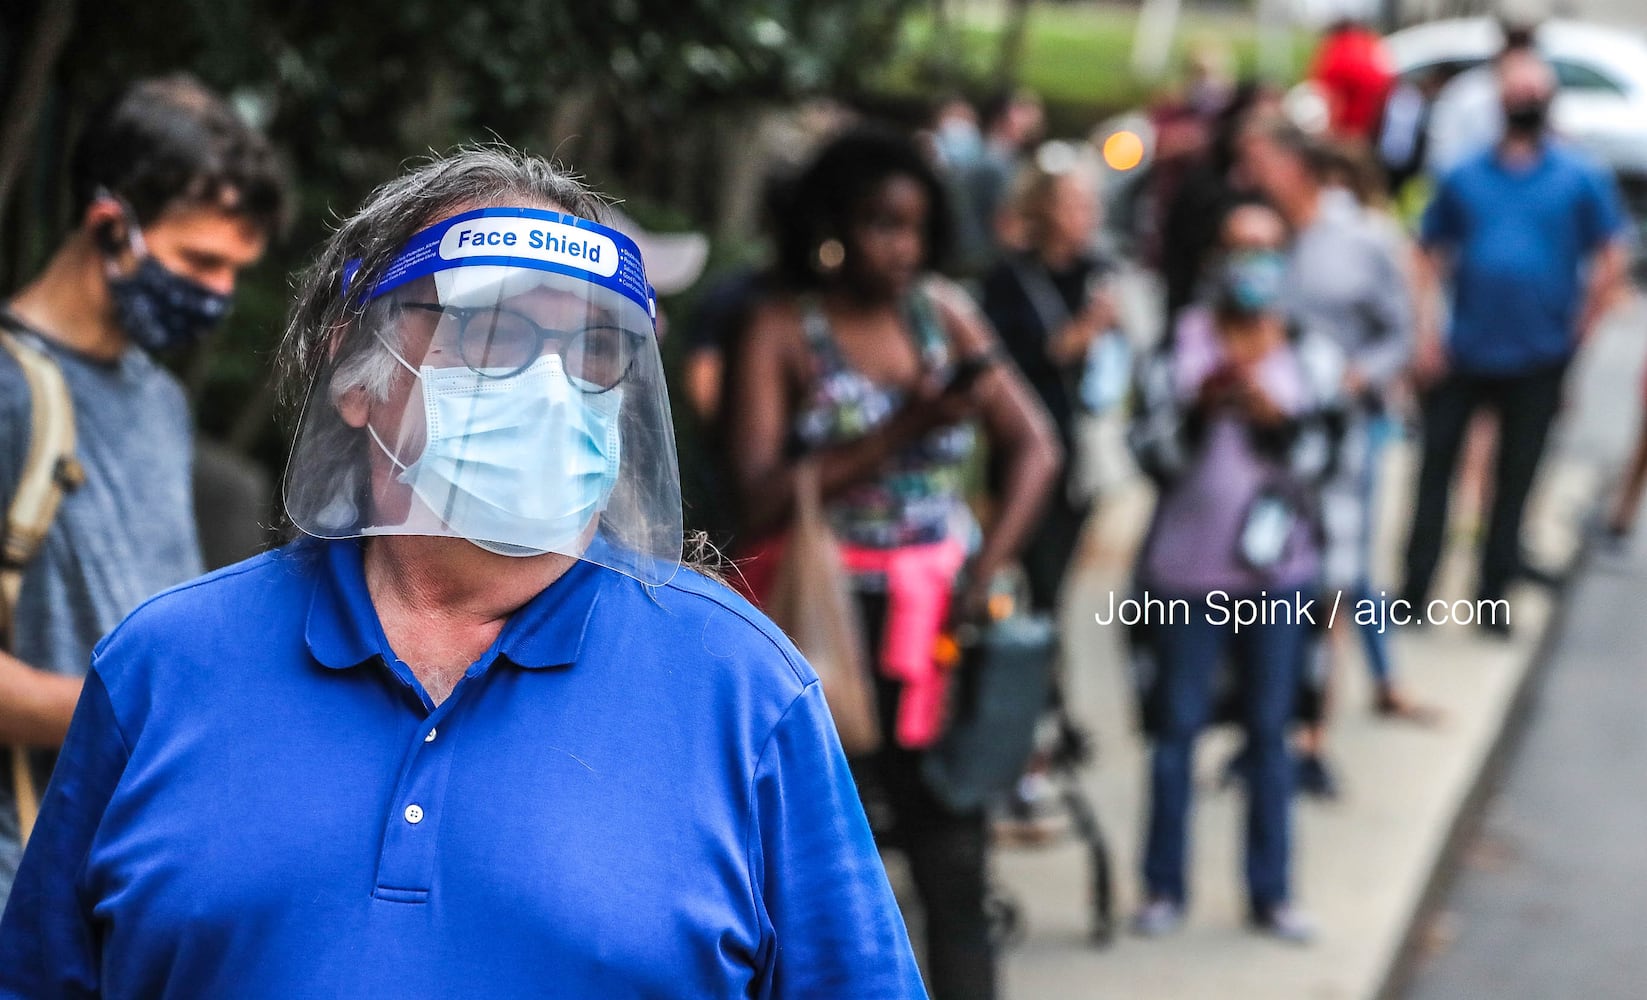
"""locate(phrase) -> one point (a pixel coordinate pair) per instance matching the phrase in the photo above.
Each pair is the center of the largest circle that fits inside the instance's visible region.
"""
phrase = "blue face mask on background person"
(1251, 281)
(527, 456)
(159, 309)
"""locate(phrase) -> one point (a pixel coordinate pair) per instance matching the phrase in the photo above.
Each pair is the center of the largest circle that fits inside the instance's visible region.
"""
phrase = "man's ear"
(106, 223)
(354, 406)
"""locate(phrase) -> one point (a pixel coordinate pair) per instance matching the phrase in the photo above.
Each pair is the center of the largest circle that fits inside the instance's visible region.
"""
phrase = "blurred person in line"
(1051, 304)
(1190, 228)
(876, 370)
(956, 139)
(1353, 178)
(722, 311)
(713, 334)
(174, 197)
(1344, 280)
(1353, 71)
(1012, 122)
(955, 145)
(478, 730)
(1403, 138)
(1530, 237)
(1184, 122)
(1466, 116)
(1235, 426)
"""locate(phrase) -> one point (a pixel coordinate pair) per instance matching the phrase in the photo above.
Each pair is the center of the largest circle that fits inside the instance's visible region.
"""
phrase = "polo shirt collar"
(343, 629)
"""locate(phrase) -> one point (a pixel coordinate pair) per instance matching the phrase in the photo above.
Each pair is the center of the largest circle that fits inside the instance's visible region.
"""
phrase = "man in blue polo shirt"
(479, 735)
(1531, 235)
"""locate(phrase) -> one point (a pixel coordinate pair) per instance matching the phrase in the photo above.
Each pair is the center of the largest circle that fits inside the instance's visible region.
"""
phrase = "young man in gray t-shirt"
(175, 196)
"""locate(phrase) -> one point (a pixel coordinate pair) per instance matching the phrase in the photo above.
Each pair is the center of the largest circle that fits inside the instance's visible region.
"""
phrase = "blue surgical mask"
(518, 465)
(1251, 281)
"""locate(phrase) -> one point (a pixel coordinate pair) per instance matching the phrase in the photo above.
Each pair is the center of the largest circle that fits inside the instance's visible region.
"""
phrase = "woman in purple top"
(1236, 428)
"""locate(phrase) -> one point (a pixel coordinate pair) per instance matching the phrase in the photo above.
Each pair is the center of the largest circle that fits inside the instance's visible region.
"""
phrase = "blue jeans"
(1381, 430)
(1191, 656)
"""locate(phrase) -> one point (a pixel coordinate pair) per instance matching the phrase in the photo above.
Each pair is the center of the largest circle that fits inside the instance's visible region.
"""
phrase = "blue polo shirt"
(1520, 238)
(637, 792)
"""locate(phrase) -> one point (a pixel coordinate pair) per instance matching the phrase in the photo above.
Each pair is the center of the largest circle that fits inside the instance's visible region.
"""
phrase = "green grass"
(1078, 57)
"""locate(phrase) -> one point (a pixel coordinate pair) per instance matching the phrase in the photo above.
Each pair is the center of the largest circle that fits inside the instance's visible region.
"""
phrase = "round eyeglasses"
(499, 343)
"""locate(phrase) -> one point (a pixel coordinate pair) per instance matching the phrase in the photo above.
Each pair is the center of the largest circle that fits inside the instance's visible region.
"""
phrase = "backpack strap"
(50, 470)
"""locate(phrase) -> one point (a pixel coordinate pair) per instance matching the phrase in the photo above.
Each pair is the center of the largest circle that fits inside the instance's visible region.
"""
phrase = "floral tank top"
(918, 500)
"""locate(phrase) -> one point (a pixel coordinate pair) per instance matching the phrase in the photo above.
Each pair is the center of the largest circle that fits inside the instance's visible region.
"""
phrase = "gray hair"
(330, 332)
(325, 327)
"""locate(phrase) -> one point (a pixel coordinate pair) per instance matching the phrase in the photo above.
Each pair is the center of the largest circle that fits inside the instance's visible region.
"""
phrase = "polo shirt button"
(414, 813)
(430, 738)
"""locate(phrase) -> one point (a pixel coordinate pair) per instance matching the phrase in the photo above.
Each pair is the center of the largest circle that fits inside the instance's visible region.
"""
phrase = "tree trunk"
(1011, 55)
(19, 121)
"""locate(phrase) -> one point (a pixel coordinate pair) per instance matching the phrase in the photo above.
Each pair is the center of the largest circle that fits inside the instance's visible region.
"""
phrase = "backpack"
(50, 470)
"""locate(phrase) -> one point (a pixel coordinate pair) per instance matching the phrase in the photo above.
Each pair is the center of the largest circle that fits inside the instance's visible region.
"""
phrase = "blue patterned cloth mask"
(161, 310)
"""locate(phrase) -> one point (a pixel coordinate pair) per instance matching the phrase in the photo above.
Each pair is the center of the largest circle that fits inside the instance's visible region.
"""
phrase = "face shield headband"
(531, 238)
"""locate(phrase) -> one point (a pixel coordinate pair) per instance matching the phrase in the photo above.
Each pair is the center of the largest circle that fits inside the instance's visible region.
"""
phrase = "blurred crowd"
(1338, 268)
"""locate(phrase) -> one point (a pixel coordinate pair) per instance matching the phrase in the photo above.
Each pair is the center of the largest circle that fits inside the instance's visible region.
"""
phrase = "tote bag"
(811, 600)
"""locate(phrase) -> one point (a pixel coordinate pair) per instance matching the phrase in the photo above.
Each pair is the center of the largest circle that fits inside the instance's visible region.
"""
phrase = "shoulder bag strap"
(50, 470)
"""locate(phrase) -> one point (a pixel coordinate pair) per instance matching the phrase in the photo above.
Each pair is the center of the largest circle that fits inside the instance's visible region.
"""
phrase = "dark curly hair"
(823, 201)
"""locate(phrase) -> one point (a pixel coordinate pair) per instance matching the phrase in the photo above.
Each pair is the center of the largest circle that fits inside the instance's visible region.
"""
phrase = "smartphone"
(1265, 531)
(1222, 379)
(968, 371)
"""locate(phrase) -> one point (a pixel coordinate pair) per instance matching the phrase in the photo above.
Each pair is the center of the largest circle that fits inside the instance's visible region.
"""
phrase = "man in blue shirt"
(1531, 234)
(479, 735)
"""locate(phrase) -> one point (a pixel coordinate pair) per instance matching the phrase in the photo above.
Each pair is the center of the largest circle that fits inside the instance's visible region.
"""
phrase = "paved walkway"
(1363, 862)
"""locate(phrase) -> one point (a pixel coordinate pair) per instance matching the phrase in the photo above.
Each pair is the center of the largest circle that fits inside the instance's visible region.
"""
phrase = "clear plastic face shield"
(502, 385)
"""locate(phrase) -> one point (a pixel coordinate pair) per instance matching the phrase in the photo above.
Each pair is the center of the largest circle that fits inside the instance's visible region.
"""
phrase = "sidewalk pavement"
(1362, 863)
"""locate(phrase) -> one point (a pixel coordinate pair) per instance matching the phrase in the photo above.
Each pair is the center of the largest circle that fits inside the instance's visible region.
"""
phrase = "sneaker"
(1315, 778)
(1285, 922)
(1541, 576)
(1158, 918)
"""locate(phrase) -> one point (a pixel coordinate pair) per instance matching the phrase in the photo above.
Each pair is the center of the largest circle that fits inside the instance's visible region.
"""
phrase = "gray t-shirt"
(1344, 279)
(122, 537)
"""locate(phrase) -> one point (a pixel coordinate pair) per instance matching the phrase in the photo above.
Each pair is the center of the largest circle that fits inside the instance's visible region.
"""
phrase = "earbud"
(107, 240)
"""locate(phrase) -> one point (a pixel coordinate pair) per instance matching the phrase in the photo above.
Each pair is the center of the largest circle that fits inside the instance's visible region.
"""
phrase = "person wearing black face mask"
(1531, 234)
(1527, 117)
(158, 308)
(175, 196)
